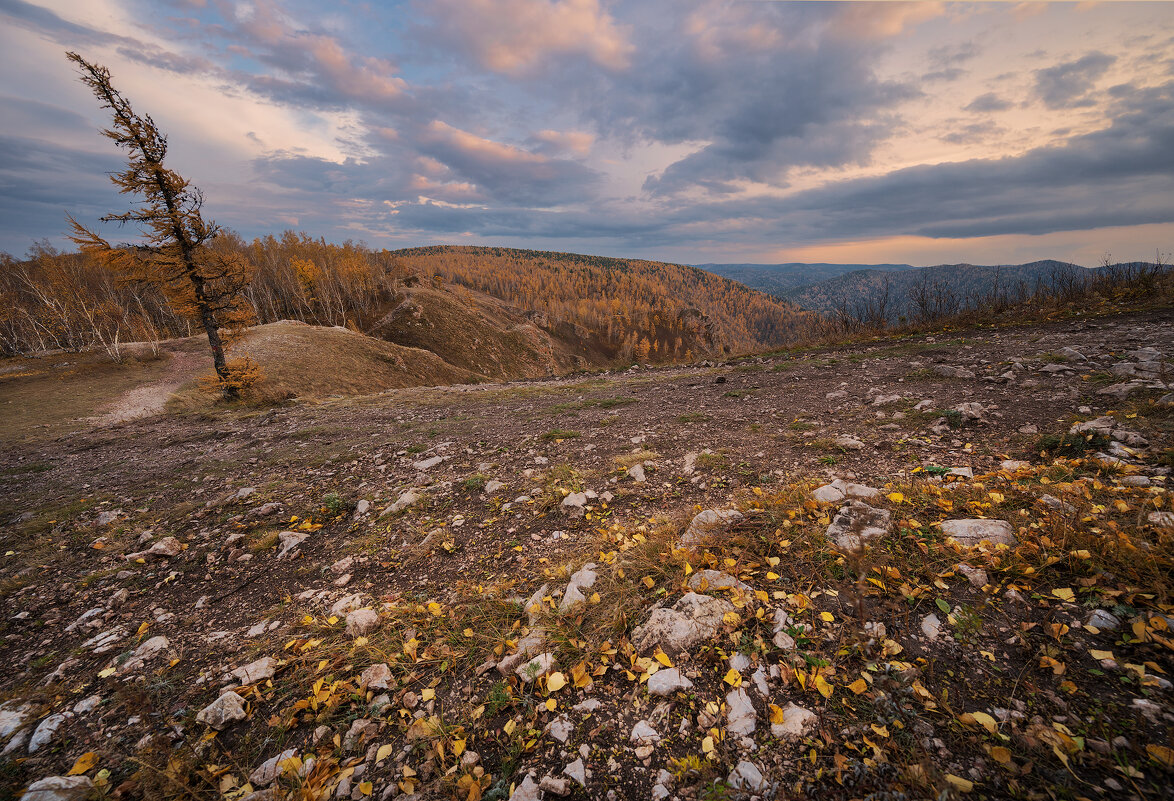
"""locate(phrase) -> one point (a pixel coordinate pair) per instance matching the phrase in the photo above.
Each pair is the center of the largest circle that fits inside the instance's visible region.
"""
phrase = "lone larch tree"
(177, 250)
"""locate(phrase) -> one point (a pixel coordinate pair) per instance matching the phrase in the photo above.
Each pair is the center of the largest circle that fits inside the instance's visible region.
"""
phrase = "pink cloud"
(515, 36)
(577, 142)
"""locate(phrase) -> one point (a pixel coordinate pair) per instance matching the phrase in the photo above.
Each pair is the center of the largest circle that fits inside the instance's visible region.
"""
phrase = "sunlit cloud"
(667, 129)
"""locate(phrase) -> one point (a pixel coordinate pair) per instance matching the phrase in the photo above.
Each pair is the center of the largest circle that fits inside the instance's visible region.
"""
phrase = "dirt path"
(151, 398)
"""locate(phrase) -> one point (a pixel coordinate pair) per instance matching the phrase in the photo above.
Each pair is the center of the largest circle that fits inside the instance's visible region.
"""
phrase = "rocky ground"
(928, 567)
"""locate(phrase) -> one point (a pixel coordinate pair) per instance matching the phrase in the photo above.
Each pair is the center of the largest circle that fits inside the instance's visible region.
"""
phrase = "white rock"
(573, 596)
(166, 547)
(977, 577)
(636, 472)
(428, 464)
(87, 704)
(577, 771)
(376, 677)
(931, 626)
(575, 500)
(552, 785)
(849, 443)
(59, 788)
(409, 498)
(560, 728)
(493, 486)
(538, 666)
(361, 508)
(856, 524)
(692, 620)
(268, 771)
(705, 580)
(643, 733)
(528, 790)
(664, 683)
(747, 776)
(740, 714)
(223, 711)
(972, 531)
(708, 523)
(361, 621)
(45, 731)
(1161, 519)
(1103, 620)
(347, 603)
(13, 715)
(796, 722)
(290, 540)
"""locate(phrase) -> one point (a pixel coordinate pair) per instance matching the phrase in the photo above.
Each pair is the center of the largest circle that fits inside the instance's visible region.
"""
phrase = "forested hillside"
(652, 307)
(497, 312)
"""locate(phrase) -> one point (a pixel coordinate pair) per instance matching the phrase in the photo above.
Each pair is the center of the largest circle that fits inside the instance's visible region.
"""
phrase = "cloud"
(987, 103)
(1070, 84)
(757, 88)
(503, 171)
(516, 37)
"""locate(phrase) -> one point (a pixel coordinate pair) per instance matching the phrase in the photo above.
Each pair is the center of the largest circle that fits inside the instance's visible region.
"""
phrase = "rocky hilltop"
(910, 568)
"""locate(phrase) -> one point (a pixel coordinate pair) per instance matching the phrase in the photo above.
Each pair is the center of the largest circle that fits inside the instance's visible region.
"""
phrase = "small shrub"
(334, 504)
(559, 433)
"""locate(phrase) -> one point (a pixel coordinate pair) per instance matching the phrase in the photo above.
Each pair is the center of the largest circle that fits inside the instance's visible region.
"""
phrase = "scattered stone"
(427, 464)
(664, 683)
(573, 596)
(839, 489)
(708, 523)
(45, 731)
(691, 620)
(290, 540)
(856, 524)
(747, 776)
(376, 677)
(636, 473)
(59, 788)
(644, 734)
(223, 711)
(493, 486)
(972, 531)
(347, 603)
(538, 666)
(849, 443)
(796, 722)
(560, 728)
(361, 508)
(1013, 465)
(166, 547)
(740, 715)
(1103, 620)
(409, 498)
(555, 786)
(528, 790)
(268, 771)
(577, 771)
(931, 626)
(703, 580)
(361, 622)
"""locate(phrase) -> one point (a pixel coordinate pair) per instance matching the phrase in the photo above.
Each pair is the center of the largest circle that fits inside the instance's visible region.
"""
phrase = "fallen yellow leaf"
(87, 761)
(555, 682)
(858, 686)
(733, 678)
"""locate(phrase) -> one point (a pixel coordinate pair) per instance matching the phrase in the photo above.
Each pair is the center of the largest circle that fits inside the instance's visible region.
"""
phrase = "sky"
(693, 132)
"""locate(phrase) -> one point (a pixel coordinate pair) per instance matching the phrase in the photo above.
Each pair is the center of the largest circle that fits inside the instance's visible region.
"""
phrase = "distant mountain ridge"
(893, 291)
